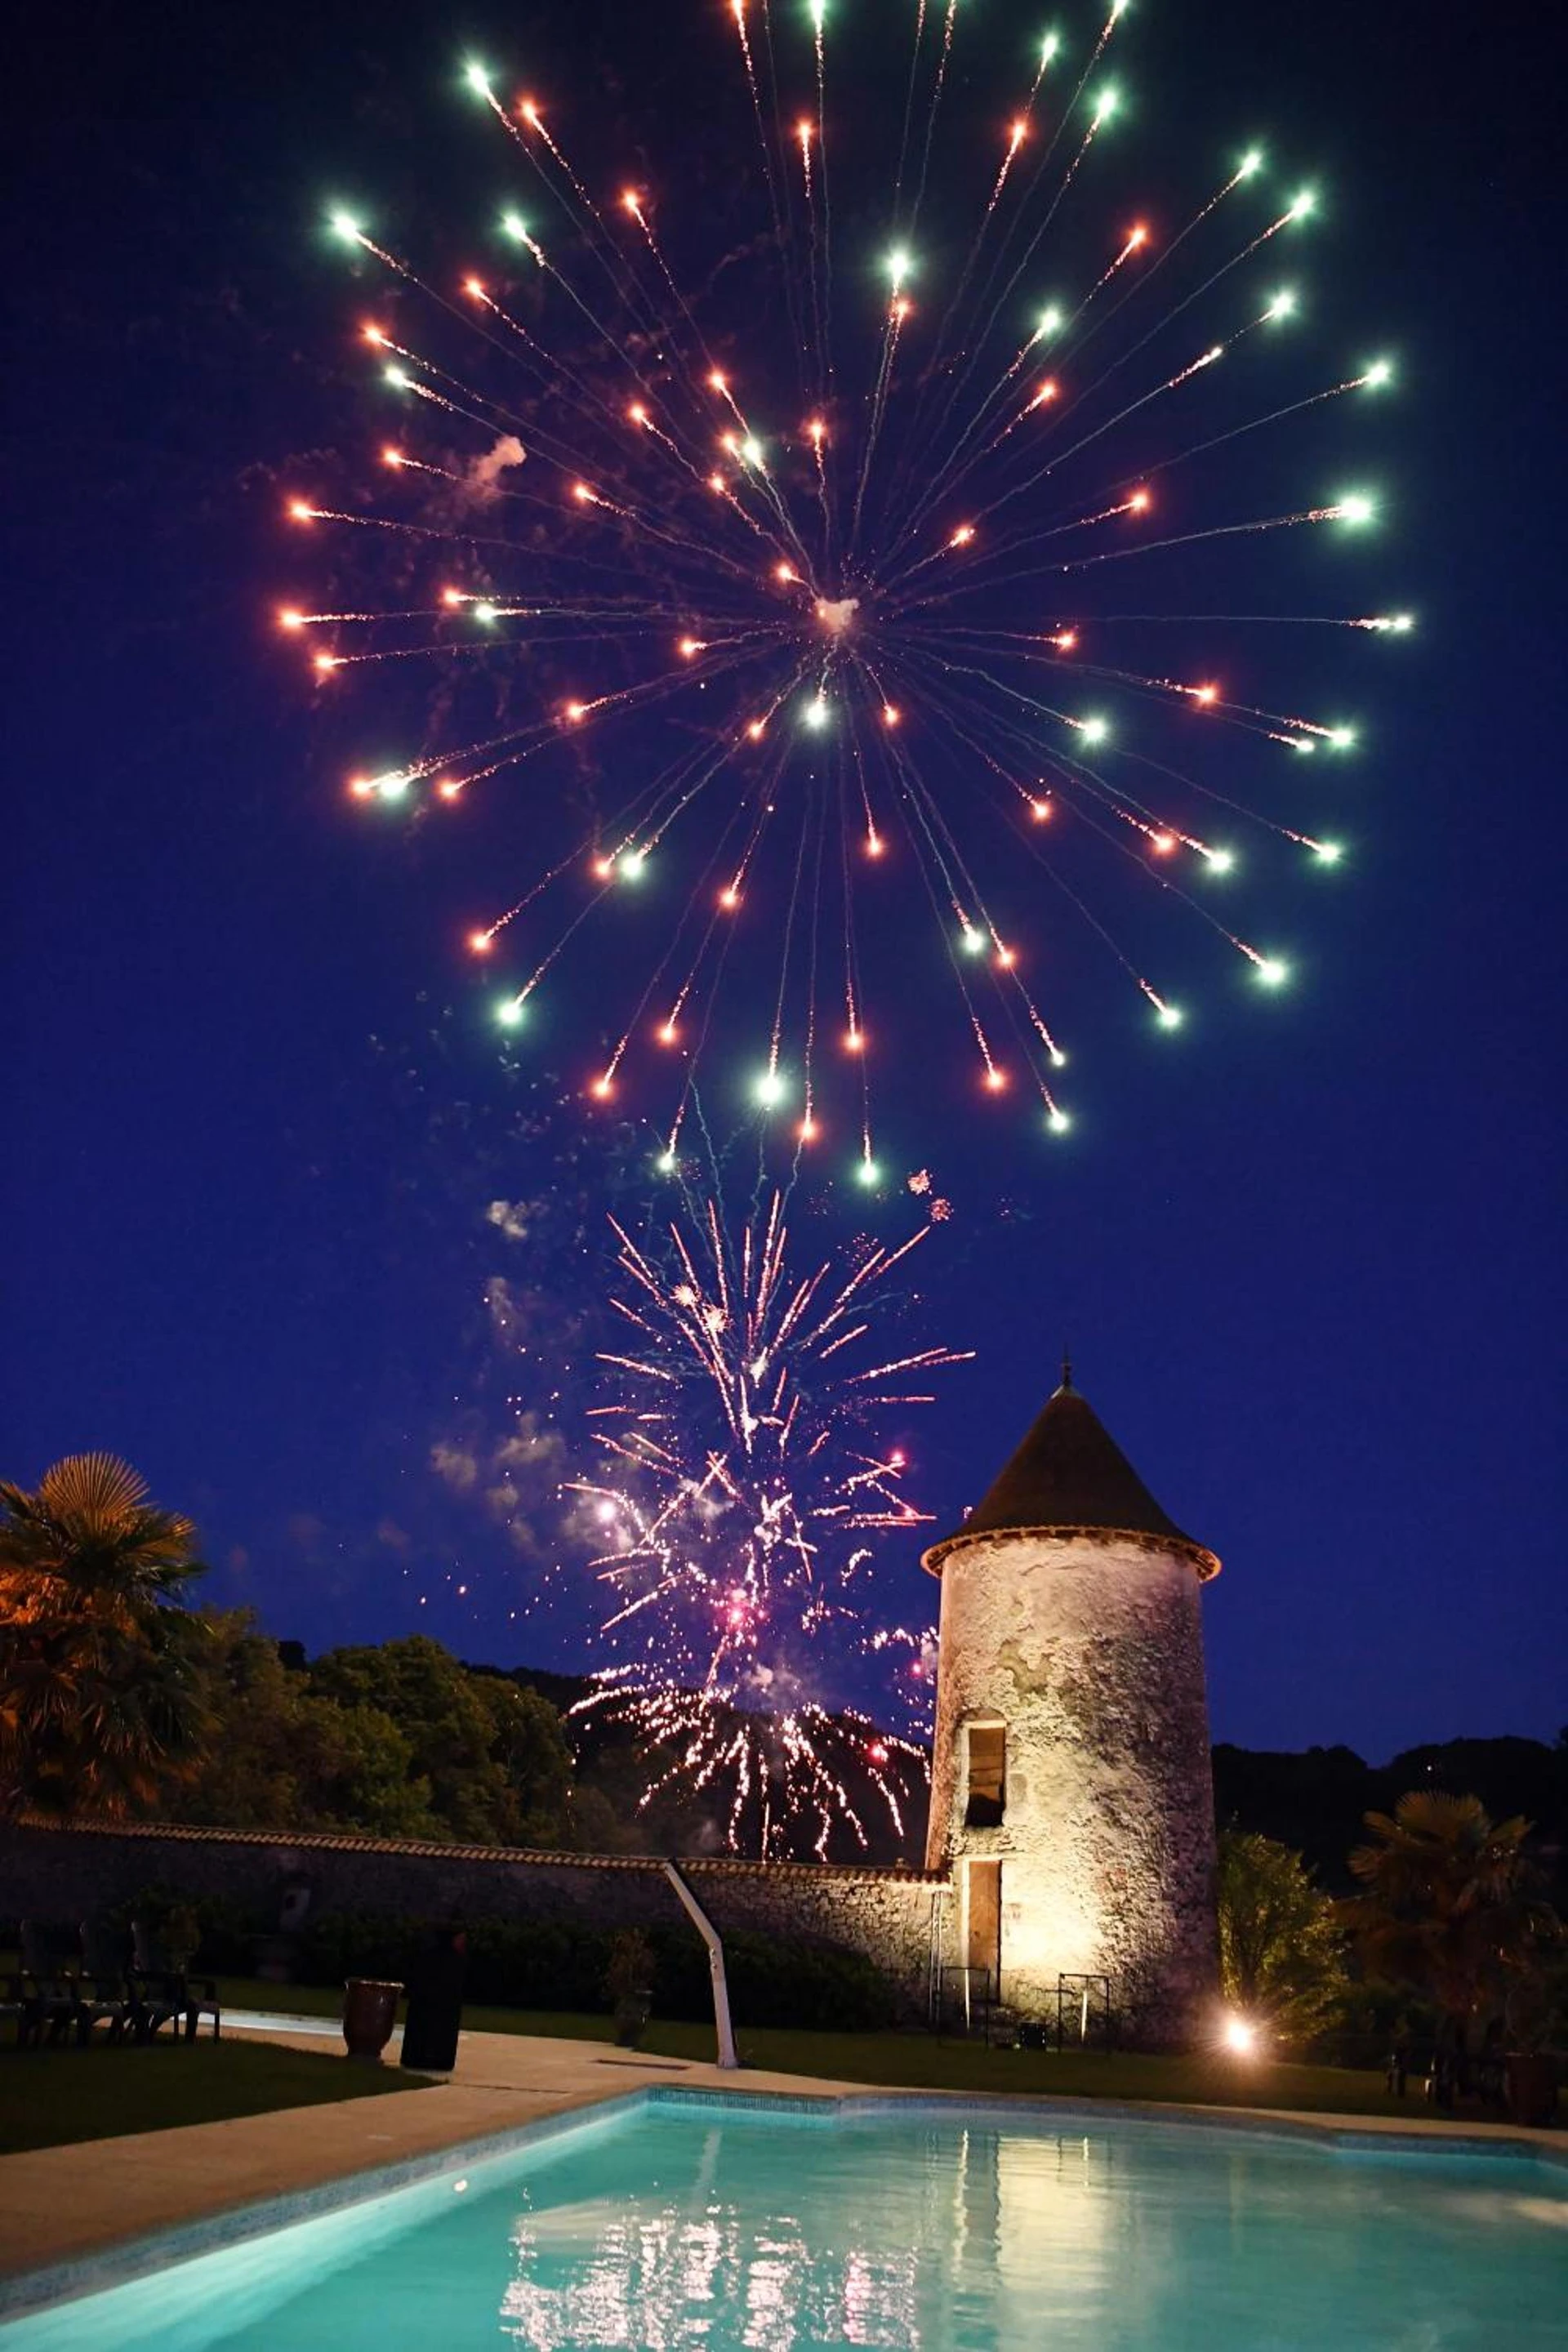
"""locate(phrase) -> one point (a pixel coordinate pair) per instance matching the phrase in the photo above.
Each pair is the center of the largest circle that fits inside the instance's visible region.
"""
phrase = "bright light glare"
(509, 1013)
(1239, 2036)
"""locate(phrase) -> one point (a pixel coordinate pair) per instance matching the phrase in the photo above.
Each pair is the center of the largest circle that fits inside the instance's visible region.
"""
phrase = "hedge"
(545, 1964)
(556, 1964)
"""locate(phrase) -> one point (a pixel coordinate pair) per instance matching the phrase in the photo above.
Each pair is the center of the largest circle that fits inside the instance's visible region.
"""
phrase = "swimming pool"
(674, 2222)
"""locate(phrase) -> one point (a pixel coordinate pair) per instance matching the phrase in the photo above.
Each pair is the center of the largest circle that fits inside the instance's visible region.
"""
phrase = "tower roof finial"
(1069, 1477)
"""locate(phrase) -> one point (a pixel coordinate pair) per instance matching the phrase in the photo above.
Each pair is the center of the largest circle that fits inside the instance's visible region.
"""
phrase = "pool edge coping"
(29, 2293)
(1331, 2131)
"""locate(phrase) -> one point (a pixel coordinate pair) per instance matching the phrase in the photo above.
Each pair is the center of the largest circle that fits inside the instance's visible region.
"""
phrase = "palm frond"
(95, 1488)
(1432, 1813)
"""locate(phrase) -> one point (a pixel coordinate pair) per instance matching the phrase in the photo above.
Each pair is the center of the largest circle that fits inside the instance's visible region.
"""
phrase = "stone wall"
(65, 1874)
(1088, 1647)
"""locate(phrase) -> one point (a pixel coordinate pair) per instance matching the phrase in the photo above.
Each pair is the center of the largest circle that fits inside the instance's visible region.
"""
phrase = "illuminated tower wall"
(1070, 1783)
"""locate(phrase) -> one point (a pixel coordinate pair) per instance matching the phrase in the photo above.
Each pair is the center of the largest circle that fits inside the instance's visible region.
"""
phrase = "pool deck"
(62, 2205)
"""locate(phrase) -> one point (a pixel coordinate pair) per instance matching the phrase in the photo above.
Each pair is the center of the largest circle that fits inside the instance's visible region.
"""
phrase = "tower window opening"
(987, 1778)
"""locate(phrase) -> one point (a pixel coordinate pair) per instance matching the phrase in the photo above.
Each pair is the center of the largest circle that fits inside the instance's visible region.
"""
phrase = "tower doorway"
(982, 1908)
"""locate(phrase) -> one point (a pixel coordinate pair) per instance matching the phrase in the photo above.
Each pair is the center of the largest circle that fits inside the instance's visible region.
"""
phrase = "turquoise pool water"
(684, 2225)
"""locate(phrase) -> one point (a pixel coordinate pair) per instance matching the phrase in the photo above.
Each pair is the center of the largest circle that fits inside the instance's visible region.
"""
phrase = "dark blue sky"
(1309, 1263)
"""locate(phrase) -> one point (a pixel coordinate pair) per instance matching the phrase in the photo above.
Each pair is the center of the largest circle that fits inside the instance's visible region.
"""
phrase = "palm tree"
(99, 1683)
(1450, 1904)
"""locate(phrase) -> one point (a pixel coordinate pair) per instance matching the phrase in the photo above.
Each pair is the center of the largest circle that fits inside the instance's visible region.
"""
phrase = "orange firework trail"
(781, 769)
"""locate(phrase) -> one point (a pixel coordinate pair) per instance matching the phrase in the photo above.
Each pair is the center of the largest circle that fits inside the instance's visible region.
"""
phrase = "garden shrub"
(822, 1988)
(226, 1930)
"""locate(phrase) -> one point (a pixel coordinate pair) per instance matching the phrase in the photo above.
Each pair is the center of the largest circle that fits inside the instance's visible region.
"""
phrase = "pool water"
(681, 2224)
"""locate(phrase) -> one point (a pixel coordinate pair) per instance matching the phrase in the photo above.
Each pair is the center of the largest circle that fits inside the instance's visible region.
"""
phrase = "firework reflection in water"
(736, 1522)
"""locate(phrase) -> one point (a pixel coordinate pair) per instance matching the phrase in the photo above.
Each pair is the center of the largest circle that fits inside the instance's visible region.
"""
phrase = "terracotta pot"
(1530, 2077)
(370, 2012)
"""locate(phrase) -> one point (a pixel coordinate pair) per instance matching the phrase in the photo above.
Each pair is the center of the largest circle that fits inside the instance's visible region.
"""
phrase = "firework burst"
(733, 1527)
(806, 575)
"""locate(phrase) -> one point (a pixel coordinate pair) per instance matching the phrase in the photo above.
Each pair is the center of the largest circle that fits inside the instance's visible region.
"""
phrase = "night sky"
(1307, 1257)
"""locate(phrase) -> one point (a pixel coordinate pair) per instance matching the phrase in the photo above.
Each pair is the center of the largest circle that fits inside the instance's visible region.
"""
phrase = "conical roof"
(1069, 1474)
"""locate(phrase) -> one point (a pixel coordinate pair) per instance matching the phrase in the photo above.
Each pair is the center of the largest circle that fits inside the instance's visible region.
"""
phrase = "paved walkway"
(57, 2205)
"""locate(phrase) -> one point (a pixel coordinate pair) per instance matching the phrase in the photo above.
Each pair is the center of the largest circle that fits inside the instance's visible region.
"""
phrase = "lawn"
(51, 2096)
(919, 2062)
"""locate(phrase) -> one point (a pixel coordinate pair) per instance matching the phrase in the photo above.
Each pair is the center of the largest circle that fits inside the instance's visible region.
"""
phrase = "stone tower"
(1070, 1790)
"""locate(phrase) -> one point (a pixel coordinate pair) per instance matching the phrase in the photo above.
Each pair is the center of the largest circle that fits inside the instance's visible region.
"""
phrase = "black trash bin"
(435, 2016)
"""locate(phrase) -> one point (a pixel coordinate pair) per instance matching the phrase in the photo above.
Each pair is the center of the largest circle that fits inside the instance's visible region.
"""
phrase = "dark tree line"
(1317, 1803)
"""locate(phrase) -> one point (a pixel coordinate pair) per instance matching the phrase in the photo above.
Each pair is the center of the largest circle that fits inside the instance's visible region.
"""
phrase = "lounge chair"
(49, 1953)
(165, 1992)
(16, 2001)
(104, 1988)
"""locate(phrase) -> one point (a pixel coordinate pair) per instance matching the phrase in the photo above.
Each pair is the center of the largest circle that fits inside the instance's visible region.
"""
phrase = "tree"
(100, 1689)
(282, 1755)
(529, 1747)
(1281, 1949)
(1450, 1904)
(493, 1754)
